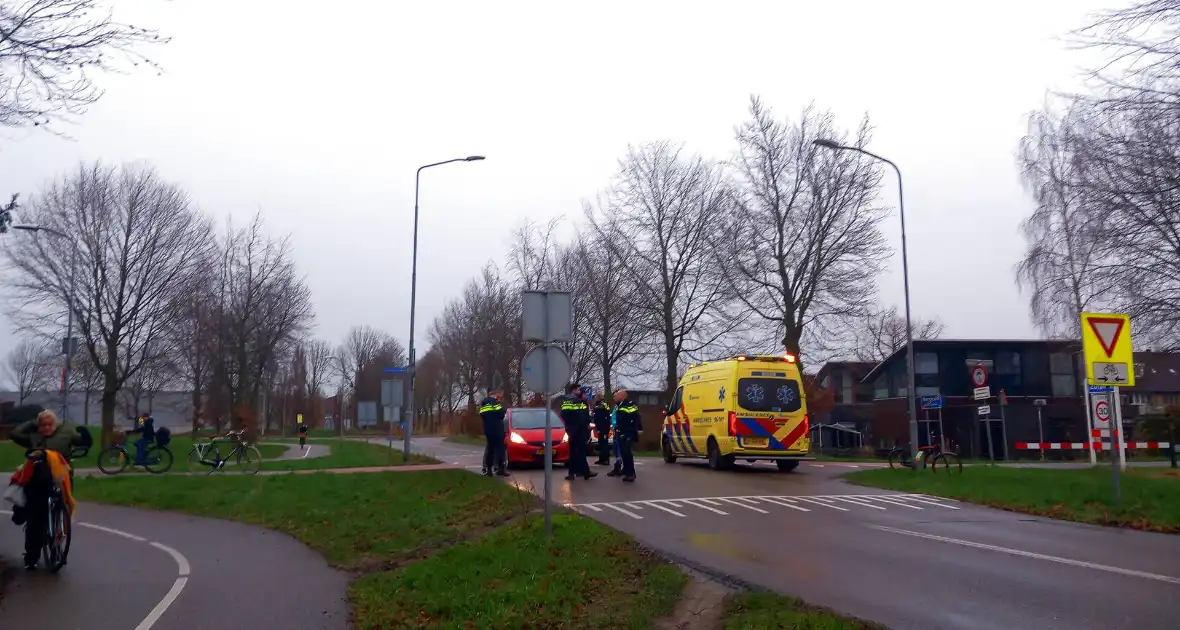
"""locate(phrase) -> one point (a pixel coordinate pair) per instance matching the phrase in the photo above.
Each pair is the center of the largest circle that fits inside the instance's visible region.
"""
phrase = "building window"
(827, 382)
(1138, 398)
(1007, 362)
(1061, 368)
(926, 363)
(1139, 369)
(1063, 385)
(1059, 363)
(881, 387)
(926, 391)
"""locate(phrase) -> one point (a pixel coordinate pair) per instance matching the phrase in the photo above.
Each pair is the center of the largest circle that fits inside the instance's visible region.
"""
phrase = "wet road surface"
(908, 561)
(136, 570)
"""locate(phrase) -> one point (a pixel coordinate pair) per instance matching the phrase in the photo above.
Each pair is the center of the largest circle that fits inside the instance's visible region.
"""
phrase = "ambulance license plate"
(755, 442)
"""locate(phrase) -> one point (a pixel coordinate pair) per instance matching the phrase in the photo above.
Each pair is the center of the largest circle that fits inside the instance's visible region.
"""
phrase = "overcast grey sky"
(319, 113)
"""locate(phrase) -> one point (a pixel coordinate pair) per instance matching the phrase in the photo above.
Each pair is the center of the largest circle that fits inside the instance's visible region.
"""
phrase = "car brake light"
(515, 438)
(733, 424)
(565, 437)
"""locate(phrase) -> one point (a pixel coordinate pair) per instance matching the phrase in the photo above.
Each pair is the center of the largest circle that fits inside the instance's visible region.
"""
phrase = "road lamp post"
(905, 274)
(68, 345)
(413, 367)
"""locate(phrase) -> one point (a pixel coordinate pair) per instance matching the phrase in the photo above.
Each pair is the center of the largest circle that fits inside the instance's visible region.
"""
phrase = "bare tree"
(262, 308)
(613, 330)
(87, 378)
(138, 243)
(50, 50)
(664, 212)
(882, 332)
(1141, 68)
(28, 368)
(805, 239)
(1063, 268)
(318, 354)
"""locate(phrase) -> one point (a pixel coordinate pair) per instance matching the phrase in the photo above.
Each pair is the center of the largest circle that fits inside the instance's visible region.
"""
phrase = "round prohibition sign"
(978, 376)
(1102, 411)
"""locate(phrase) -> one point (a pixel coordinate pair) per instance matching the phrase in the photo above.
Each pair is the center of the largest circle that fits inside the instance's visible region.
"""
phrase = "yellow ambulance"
(749, 407)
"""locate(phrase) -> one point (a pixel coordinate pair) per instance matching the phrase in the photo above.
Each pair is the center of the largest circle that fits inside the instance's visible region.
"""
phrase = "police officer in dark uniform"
(627, 428)
(576, 416)
(601, 414)
(491, 411)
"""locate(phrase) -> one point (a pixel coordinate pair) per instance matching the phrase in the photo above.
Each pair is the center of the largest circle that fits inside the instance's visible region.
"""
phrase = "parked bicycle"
(935, 457)
(157, 457)
(245, 457)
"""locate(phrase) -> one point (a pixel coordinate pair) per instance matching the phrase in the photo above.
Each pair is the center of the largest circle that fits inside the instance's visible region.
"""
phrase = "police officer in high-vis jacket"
(627, 428)
(575, 413)
(602, 424)
(491, 411)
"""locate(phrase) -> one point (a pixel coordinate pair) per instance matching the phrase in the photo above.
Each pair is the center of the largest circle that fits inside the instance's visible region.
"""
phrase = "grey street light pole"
(905, 274)
(68, 346)
(413, 301)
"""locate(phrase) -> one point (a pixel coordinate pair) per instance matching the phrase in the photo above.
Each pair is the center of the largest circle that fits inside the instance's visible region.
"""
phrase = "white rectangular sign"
(1101, 411)
(984, 410)
(983, 393)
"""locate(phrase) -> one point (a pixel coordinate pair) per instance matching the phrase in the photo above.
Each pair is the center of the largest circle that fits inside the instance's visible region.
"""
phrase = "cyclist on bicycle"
(50, 443)
(146, 428)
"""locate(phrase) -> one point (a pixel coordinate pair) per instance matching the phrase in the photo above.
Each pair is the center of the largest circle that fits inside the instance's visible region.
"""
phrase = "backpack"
(163, 436)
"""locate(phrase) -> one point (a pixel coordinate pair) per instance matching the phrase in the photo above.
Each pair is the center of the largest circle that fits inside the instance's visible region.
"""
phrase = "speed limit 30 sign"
(1102, 413)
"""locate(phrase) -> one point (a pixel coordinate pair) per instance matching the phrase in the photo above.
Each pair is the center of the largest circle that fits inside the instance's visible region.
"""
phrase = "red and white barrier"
(1074, 446)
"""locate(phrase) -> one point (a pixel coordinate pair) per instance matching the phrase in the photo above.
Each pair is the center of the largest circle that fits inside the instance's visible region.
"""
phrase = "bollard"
(1172, 452)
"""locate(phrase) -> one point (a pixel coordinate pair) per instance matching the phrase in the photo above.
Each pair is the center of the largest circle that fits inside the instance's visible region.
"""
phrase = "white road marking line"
(711, 501)
(182, 571)
(785, 503)
(1033, 555)
(753, 500)
(818, 465)
(748, 507)
(703, 507)
(817, 502)
(633, 506)
(589, 505)
(114, 531)
(660, 507)
(851, 500)
(921, 499)
(627, 512)
(885, 499)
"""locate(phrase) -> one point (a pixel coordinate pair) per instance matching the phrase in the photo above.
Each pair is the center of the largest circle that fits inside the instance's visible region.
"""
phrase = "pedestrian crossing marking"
(766, 504)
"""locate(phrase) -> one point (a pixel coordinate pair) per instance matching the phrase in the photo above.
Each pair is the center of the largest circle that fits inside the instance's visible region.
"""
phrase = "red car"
(525, 439)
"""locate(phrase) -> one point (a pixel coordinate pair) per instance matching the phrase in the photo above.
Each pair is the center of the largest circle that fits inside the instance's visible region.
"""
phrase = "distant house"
(848, 424)
(1157, 382)
(1023, 370)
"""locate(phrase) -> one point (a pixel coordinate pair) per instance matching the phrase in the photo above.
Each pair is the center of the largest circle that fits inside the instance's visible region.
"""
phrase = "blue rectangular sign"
(931, 401)
(397, 370)
(1101, 389)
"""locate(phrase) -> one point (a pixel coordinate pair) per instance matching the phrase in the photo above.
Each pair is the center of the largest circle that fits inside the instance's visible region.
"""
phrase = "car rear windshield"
(769, 393)
(534, 418)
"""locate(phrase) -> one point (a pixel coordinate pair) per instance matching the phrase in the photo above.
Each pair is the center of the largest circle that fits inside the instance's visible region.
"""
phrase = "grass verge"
(748, 611)
(348, 454)
(1085, 495)
(440, 548)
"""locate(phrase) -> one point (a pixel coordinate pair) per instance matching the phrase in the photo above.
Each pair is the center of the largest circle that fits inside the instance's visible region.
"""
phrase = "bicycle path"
(137, 570)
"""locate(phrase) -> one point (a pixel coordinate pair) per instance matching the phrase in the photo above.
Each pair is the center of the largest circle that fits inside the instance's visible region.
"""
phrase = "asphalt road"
(907, 561)
(136, 570)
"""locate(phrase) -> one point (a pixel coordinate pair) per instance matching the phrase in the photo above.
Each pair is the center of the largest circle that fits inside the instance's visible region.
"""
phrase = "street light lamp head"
(827, 144)
(473, 158)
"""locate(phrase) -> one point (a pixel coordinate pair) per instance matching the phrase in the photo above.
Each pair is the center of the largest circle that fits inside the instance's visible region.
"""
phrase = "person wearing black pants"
(627, 428)
(575, 414)
(602, 431)
(491, 411)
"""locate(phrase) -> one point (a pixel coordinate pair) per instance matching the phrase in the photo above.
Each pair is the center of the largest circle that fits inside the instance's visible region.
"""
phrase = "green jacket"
(64, 438)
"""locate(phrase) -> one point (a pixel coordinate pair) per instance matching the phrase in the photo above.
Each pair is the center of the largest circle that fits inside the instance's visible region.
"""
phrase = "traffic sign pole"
(1117, 425)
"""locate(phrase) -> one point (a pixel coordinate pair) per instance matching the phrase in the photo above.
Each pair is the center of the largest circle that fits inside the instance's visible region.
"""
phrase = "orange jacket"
(59, 468)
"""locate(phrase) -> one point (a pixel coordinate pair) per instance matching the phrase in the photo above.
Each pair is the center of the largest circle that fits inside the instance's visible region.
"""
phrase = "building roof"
(858, 369)
(1161, 372)
(920, 343)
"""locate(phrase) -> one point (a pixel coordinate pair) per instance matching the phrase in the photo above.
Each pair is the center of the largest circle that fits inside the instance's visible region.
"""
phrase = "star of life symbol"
(755, 393)
(786, 395)
(721, 394)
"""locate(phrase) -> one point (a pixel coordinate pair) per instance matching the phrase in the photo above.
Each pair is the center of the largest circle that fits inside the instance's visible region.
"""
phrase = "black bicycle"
(59, 520)
(935, 458)
(244, 455)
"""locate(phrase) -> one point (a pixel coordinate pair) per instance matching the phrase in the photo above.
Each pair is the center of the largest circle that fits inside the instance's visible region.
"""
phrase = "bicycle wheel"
(158, 459)
(248, 460)
(197, 460)
(57, 545)
(949, 462)
(899, 459)
(114, 460)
